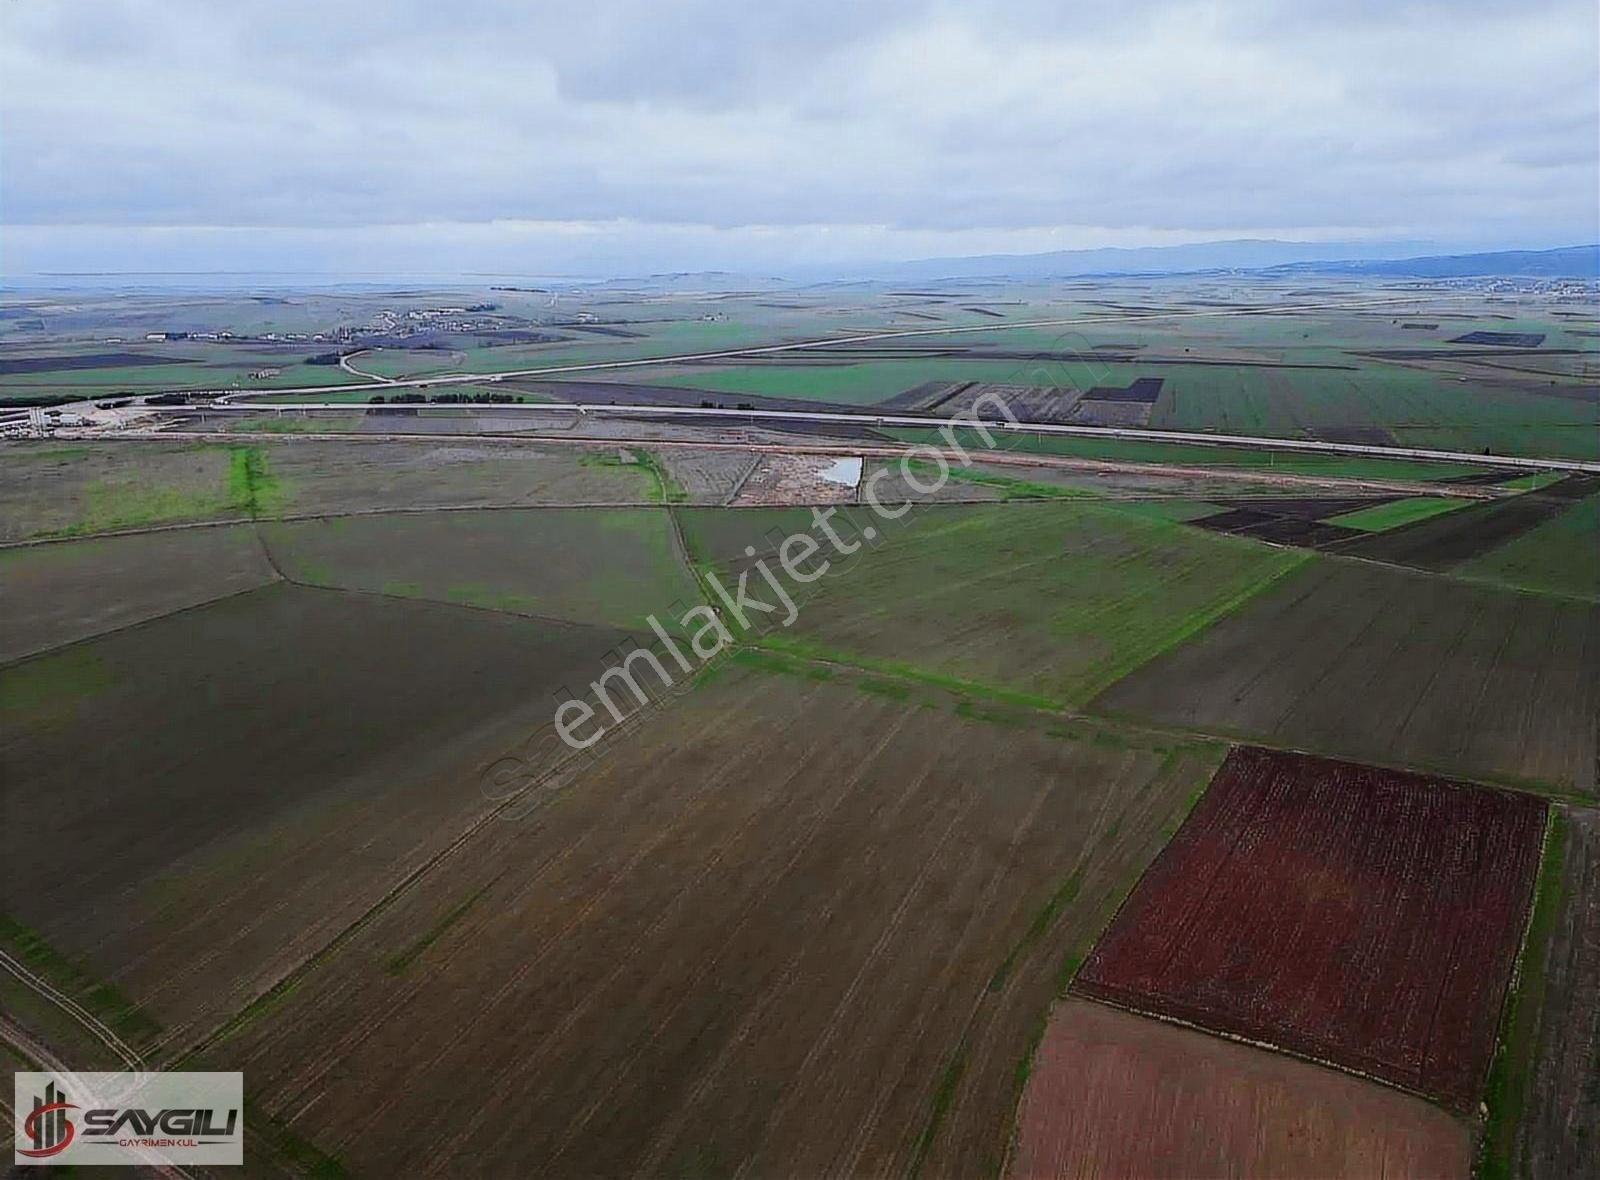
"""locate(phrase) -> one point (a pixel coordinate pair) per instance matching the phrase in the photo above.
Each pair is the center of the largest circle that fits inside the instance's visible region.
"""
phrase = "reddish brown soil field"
(1360, 916)
(1113, 1096)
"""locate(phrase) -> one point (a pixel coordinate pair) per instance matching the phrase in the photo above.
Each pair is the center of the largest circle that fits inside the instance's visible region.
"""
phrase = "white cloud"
(977, 125)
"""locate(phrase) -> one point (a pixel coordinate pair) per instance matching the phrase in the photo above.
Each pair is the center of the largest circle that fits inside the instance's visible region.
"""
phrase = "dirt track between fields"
(891, 450)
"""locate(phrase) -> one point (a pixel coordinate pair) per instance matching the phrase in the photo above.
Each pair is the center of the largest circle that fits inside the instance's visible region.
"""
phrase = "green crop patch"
(52, 685)
(604, 565)
(1048, 602)
(1383, 517)
(1560, 556)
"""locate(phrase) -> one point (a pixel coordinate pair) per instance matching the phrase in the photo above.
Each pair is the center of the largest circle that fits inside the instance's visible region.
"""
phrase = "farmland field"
(69, 590)
(600, 565)
(209, 796)
(1363, 917)
(1450, 540)
(1113, 1096)
(70, 490)
(1200, 455)
(1122, 809)
(358, 474)
(1559, 1131)
(1051, 600)
(1561, 555)
(787, 928)
(1394, 667)
(1388, 516)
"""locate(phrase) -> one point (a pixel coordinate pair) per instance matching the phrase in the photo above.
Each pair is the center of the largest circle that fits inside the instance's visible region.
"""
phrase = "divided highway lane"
(1140, 434)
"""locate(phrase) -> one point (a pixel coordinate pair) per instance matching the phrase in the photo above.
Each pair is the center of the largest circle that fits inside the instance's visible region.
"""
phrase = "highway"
(234, 400)
(1139, 434)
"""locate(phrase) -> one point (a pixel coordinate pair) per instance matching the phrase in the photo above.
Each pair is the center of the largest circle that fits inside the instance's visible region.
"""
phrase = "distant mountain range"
(1566, 262)
(1356, 258)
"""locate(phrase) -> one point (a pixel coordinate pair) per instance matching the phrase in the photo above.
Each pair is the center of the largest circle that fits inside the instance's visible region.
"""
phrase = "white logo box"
(124, 1119)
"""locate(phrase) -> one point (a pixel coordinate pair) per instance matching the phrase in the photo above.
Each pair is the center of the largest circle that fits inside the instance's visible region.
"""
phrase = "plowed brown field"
(1114, 1096)
(786, 929)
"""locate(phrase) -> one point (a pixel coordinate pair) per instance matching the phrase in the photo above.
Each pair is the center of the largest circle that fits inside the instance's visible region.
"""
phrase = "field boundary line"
(1471, 778)
(738, 486)
(1552, 848)
(1269, 1047)
(1149, 735)
(1125, 722)
(101, 1031)
(885, 448)
(292, 517)
(13, 661)
(547, 620)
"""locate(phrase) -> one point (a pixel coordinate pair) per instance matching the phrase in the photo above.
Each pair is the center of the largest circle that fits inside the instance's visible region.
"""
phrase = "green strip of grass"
(800, 647)
(1012, 489)
(668, 490)
(397, 964)
(1132, 450)
(1176, 511)
(1383, 517)
(1038, 928)
(1534, 481)
(110, 1006)
(251, 485)
(1513, 1061)
(51, 684)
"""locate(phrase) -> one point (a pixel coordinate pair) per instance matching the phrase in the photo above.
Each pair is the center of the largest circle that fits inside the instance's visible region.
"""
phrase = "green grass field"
(1561, 556)
(869, 382)
(1511, 1073)
(613, 566)
(1047, 603)
(1201, 455)
(1383, 517)
(75, 491)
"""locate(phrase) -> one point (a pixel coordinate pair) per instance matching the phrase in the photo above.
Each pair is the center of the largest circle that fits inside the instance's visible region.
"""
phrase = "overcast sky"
(593, 136)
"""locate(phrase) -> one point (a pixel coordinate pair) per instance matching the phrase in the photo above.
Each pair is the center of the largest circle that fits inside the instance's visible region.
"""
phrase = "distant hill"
(1239, 254)
(1250, 254)
(1565, 262)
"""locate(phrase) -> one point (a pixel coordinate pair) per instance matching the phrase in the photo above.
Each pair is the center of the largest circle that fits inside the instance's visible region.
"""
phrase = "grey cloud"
(1461, 120)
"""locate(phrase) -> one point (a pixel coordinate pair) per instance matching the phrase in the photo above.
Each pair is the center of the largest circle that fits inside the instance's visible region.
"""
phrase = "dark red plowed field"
(1364, 917)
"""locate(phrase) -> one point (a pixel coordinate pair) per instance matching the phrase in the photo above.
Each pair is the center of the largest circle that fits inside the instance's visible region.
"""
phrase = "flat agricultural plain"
(1393, 667)
(68, 590)
(1050, 601)
(1358, 916)
(195, 804)
(595, 565)
(787, 927)
(1113, 1095)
